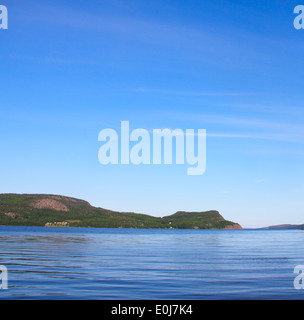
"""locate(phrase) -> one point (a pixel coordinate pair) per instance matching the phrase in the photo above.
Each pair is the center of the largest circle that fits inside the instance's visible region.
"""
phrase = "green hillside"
(60, 211)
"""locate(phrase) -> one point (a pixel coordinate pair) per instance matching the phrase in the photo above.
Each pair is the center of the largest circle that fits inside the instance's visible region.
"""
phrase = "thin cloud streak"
(235, 121)
(192, 93)
(272, 137)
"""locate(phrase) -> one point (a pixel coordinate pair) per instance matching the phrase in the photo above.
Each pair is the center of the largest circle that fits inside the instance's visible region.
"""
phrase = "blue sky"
(72, 68)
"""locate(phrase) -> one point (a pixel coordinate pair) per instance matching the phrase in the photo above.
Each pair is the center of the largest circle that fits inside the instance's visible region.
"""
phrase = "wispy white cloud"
(234, 120)
(270, 108)
(259, 181)
(236, 127)
(263, 136)
(191, 93)
(183, 39)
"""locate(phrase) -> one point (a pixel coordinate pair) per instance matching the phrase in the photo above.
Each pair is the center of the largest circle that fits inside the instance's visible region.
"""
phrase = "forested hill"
(61, 211)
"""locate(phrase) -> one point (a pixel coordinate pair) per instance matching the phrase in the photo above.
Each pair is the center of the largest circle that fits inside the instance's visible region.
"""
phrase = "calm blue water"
(71, 263)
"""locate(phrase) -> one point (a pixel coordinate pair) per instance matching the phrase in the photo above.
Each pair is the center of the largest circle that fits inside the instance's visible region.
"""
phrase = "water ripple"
(51, 263)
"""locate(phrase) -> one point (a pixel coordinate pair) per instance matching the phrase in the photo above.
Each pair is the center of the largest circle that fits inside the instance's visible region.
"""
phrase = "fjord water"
(78, 263)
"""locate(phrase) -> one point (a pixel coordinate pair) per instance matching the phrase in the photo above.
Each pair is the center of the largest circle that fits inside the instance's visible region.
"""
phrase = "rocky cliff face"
(234, 226)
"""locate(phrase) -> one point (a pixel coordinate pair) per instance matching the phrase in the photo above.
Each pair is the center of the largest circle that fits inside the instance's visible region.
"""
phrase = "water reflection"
(149, 264)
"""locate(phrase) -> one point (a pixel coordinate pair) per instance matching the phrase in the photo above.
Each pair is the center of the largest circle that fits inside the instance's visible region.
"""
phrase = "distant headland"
(61, 211)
